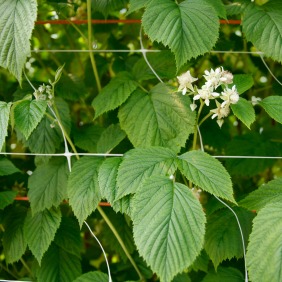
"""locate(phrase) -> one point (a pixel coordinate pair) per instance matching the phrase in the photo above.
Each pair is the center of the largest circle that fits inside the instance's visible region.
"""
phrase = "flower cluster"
(209, 91)
(43, 92)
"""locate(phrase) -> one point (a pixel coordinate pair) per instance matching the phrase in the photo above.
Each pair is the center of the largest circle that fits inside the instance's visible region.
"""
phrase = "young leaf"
(189, 29)
(244, 111)
(83, 187)
(207, 173)
(161, 118)
(114, 94)
(110, 138)
(175, 226)
(14, 242)
(59, 265)
(48, 185)
(16, 25)
(28, 114)
(7, 198)
(140, 164)
(7, 167)
(40, 230)
(261, 25)
(4, 121)
(270, 192)
(224, 274)
(273, 106)
(223, 241)
(243, 82)
(93, 276)
(265, 245)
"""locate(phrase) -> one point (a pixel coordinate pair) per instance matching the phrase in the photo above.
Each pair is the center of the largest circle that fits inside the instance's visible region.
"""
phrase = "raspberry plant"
(138, 116)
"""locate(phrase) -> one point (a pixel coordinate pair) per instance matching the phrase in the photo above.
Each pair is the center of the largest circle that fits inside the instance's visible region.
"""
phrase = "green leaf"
(175, 226)
(48, 185)
(59, 265)
(4, 121)
(270, 192)
(7, 198)
(136, 5)
(201, 263)
(273, 106)
(40, 230)
(139, 164)
(110, 138)
(162, 62)
(183, 277)
(83, 187)
(107, 181)
(28, 114)
(93, 276)
(223, 241)
(189, 29)
(106, 6)
(262, 26)
(251, 144)
(7, 167)
(265, 245)
(161, 118)
(87, 137)
(224, 274)
(207, 173)
(219, 7)
(68, 236)
(114, 94)
(14, 242)
(243, 82)
(16, 25)
(244, 111)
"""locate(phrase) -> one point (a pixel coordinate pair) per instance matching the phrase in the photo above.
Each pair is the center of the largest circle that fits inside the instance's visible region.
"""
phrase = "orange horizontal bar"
(112, 21)
(101, 204)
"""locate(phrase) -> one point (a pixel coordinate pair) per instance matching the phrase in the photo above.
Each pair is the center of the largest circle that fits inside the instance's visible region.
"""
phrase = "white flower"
(206, 93)
(220, 122)
(226, 77)
(220, 112)
(193, 107)
(255, 100)
(213, 77)
(185, 81)
(230, 96)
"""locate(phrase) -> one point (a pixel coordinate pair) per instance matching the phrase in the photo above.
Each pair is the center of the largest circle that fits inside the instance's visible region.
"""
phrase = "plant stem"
(26, 266)
(8, 271)
(93, 63)
(111, 226)
(196, 128)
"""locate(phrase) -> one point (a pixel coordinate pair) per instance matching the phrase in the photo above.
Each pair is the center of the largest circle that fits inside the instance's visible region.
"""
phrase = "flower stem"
(92, 59)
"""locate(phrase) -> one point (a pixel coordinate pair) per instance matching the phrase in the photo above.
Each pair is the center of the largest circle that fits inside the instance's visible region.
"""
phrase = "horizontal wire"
(112, 21)
(121, 155)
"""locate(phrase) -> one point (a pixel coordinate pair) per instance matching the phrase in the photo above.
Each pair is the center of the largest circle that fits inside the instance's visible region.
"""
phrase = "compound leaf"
(175, 226)
(16, 25)
(93, 276)
(40, 230)
(189, 29)
(224, 274)
(7, 198)
(265, 245)
(83, 187)
(140, 164)
(207, 173)
(7, 167)
(161, 118)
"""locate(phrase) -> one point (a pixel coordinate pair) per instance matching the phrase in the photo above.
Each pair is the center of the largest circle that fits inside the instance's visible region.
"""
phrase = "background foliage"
(165, 222)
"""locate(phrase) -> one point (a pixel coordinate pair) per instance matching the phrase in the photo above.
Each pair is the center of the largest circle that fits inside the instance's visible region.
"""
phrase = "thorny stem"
(92, 59)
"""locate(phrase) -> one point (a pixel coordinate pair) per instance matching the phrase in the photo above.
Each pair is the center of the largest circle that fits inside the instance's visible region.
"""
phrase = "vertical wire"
(237, 219)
